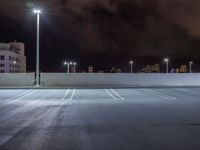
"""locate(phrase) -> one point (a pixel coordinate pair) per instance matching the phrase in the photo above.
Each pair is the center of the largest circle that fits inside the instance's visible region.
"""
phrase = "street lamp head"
(166, 60)
(65, 63)
(191, 62)
(131, 62)
(74, 63)
(14, 62)
(37, 11)
(70, 63)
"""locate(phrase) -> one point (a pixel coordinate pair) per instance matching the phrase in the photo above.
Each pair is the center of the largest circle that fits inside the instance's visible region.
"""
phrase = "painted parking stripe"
(122, 98)
(25, 95)
(170, 97)
(114, 94)
(73, 93)
(147, 91)
(110, 94)
(67, 92)
(69, 95)
(18, 95)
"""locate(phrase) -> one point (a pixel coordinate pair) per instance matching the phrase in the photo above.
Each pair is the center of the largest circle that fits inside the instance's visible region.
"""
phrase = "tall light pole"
(166, 60)
(38, 12)
(67, 63)
(74, 66)
(190, 64)
(131, 63)
(14, 63)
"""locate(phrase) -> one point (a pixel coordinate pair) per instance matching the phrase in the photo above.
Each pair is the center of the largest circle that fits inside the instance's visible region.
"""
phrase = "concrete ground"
(100, 119)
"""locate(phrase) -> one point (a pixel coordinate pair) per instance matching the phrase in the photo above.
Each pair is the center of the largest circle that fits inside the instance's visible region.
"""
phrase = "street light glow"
(131, 62)
(37, 11)
(65, 63)
(166, 60)
(68, 63)
(190, 66)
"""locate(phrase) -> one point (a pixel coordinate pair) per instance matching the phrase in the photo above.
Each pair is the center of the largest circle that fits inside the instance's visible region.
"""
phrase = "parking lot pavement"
(96, 119)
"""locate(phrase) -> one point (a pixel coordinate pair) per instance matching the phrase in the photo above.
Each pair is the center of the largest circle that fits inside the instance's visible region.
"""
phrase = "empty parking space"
(134, 118)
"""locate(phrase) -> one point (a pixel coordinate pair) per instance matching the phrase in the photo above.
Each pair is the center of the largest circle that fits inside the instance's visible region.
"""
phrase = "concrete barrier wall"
(119, 80)
(16, 79)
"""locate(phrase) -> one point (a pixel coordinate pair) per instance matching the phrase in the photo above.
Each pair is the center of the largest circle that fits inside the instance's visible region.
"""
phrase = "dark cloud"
(133, 27)
(183, 12)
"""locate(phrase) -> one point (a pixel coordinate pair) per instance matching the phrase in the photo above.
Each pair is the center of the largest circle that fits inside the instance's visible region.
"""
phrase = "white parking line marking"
(145, 90)
(25, 95)
(122, 98)
(18, 95)
(73, 93)
(67, 92)
(170, 97)
(111, 94)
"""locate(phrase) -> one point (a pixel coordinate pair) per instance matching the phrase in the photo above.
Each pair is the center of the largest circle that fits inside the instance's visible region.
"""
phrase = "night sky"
(104, 33)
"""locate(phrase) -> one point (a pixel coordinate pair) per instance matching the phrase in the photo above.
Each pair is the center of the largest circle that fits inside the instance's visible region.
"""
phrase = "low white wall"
(119, 80)
(16, 79)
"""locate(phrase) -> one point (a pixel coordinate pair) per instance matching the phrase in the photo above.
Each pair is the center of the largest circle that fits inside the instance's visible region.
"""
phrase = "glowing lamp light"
(65, 63)
(131, 62)
(166, 60)
(37, 11)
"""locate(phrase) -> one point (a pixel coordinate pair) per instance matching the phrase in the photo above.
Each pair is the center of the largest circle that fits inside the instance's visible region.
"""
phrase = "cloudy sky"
(92, 30)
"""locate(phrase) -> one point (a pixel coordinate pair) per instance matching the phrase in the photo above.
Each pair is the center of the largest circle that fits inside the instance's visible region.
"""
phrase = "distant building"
(173, 70)
(113, 70)
(90, 69)
(147, 69)
(118, 70)
(12, 58)
(183, 69)
(155, 68)
(177, 70)
(151, 69)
